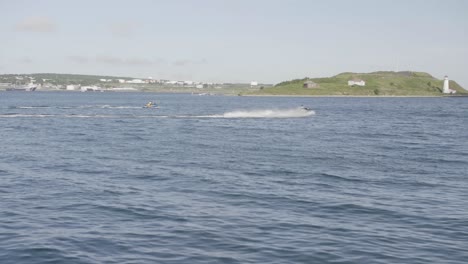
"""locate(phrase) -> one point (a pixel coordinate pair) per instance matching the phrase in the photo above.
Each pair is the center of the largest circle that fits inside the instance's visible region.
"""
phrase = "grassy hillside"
(377, 84)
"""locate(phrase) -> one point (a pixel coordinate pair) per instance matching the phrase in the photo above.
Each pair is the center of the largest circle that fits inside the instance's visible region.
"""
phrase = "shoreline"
(270, 95)
(355, 96)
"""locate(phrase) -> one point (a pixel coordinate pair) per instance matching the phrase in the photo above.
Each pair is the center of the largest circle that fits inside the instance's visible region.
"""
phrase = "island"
(381, 83)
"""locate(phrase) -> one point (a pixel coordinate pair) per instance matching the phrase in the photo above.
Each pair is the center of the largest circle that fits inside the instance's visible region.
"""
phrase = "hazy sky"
(234, 40)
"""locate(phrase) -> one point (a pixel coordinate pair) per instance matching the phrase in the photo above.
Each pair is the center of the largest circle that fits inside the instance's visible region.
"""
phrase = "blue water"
(96, 178)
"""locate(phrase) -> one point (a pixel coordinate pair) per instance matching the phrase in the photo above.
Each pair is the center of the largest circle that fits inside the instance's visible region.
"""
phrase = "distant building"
(357, 82)
(310, 84)
(253, 84)
(70, 87)
(135, 81)
(92, 88)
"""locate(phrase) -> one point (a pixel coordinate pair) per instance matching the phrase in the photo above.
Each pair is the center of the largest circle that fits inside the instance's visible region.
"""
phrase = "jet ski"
(306, 108)
(150, 105)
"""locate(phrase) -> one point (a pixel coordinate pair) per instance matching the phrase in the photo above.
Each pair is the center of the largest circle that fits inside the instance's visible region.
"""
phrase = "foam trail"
(32, 107)
(269, 113)
(109, 106)
(263, 113)
(12, 115)
(29, 107)
(121, 107)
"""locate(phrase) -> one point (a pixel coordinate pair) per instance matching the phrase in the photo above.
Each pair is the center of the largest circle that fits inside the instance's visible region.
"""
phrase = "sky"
(268, 41)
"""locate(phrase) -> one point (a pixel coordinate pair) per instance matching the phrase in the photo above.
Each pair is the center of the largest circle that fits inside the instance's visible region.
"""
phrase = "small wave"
(74, 107)
(87, 106)
(23, 115)
(99, 106)
(29, 107)
(124, 107)
(119, 107)
(269, 113)
(13, 115)
(72, 115)
(89, 116)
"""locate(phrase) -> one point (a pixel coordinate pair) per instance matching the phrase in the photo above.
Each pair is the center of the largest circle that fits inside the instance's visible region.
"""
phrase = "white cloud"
(109, 60)
(36, 24)
(138, 61)
(186, 62)
(131, 61)
(182, 62)
(123, 29)
(25, 60)
(78, 59)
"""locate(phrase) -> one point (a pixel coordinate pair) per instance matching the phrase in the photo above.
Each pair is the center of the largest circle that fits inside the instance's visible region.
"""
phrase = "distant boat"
(30, 87)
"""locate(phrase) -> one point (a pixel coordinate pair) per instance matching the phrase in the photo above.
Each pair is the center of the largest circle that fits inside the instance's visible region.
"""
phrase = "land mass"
(80, 82)
(382, 83)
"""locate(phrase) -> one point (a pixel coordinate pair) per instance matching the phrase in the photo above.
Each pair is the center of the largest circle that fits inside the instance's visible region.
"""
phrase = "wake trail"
(269, 113)
(262, 113)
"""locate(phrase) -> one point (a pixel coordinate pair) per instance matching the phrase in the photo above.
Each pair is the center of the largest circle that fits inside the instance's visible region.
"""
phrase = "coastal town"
(90, 83)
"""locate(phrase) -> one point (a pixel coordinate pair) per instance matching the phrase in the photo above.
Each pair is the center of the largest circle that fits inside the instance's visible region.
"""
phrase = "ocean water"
(96, 178)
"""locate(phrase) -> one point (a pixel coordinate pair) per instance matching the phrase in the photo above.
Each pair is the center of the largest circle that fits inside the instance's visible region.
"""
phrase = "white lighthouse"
(446, 89)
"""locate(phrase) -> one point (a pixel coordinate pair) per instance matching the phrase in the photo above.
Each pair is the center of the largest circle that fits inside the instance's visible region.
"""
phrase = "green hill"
(376, 84)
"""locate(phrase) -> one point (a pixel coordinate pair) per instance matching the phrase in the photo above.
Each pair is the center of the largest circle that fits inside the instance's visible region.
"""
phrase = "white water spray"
(270, 113)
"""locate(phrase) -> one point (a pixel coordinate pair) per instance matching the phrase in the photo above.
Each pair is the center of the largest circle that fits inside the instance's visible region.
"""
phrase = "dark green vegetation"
(377, 84)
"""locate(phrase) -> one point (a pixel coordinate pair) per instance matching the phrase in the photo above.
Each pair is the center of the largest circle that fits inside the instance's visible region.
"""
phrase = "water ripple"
(97, 179)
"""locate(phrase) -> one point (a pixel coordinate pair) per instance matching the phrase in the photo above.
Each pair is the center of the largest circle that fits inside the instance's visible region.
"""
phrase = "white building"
(151, 80)
(310, 84)
(70, 87)
(357, 82)
(136, 81)
(446, 89)
(92, 88)
(253, 83)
